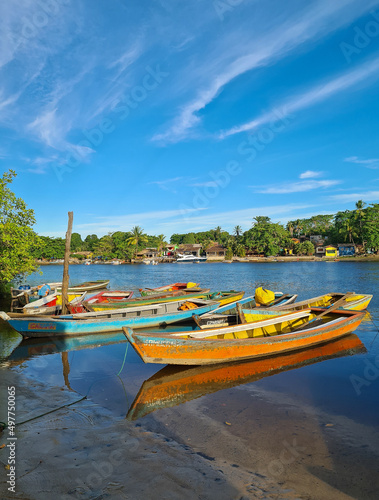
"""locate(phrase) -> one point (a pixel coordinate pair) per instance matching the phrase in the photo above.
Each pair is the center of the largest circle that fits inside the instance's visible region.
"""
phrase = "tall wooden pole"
(66, 262)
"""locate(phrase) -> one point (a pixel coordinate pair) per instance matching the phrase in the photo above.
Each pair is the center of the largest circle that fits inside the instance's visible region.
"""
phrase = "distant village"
(345, 234)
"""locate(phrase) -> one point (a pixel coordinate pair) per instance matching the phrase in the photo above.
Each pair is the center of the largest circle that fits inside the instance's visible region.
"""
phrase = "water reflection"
(172, 385)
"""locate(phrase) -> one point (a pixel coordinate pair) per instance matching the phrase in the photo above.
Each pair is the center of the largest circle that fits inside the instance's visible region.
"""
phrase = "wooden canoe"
(88, 286)
(237, 343)
(227, 314)
(354, 302)
(107, 321)
(169, 288)
(220, 297)
(174, 385)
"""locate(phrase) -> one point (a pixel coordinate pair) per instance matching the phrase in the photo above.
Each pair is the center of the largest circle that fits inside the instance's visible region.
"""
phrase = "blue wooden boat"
(108, 321)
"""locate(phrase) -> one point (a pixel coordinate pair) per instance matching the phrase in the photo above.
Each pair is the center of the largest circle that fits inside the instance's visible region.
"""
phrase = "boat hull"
(355, 302)
(65, 326)
(195, 351)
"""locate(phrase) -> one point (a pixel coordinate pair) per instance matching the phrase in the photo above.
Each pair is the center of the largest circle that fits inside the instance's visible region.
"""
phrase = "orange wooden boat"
(175, 385)
(240, 342)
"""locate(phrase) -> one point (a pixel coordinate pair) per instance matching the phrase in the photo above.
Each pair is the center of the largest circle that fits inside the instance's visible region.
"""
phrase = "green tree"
(137, 238)
(229, 254)
(266, 237)
(76, 242)
(90, 241)
(305, 248)
(189, 239)
(17, 238)
(370, 229)
(360, 216)
(162, 243)
(104, 247)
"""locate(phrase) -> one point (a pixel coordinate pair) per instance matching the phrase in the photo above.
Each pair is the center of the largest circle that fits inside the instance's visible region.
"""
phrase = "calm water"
(113, 374)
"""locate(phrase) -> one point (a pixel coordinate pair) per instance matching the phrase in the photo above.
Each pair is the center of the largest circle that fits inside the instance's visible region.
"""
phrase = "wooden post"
(66, 262)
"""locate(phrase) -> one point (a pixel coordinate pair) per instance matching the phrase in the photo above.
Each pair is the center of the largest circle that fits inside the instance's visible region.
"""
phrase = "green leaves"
(18, 241)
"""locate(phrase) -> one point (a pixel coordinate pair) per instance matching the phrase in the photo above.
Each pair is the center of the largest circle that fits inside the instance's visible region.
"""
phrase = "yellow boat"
(353, 302)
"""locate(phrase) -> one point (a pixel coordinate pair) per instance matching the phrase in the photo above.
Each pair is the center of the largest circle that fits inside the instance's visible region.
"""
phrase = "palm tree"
(237, 231)
(290, 227)
(360, 215)
(217, 233)
(136, 238)
(162, 243)
(348, 230)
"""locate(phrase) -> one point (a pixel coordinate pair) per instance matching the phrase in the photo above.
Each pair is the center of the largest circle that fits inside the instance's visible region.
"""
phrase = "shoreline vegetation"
(241, 260)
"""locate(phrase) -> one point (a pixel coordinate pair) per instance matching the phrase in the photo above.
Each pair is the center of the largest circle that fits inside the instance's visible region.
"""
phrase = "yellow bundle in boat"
(191, 285)
(263, 296)
(187, 305)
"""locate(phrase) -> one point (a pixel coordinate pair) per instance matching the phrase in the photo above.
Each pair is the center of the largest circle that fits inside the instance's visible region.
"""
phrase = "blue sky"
(182, 116)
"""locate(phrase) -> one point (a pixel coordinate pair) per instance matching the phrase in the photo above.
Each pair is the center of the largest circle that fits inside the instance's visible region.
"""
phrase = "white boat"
(190, 258)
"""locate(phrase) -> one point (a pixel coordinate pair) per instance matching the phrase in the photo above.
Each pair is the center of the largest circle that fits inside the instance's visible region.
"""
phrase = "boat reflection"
(30, 348)
(175, 385)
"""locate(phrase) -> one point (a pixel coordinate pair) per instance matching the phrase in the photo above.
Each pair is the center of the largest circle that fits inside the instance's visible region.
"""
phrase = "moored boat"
(159, 298)
(353, 302)
(107, 321)
(174, 385)
(169, 288)
(244, 341)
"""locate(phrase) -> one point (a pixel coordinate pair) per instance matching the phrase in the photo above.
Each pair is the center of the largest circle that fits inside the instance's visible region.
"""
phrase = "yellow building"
(331, 251)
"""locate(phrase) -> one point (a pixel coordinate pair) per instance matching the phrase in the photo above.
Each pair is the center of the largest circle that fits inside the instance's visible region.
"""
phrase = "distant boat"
(116, 262)
(189, 258)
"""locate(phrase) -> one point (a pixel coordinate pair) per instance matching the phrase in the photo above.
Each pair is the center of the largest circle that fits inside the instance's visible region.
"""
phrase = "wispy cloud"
(311, 97)
(310, 174)
(368, 196)
(311, 24)
(166, 184)
(296, 187)
(372, 163)
(110, 223)
(189, 219)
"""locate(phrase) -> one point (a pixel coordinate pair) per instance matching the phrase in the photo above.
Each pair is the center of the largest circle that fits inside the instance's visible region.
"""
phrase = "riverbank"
(283, 451)
(82, 451)
(287, 258)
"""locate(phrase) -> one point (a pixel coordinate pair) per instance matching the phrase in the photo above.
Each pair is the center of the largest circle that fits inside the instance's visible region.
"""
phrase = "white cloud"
(311, 24)
(372, 163)
(309, 174)
(310, 97)
(296, 187)
(368, 196)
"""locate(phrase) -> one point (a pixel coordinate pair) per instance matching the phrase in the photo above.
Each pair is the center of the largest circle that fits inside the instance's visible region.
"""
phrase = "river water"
(339, 384)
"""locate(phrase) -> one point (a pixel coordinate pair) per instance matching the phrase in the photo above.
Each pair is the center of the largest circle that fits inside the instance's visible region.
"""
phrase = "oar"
(329, 309)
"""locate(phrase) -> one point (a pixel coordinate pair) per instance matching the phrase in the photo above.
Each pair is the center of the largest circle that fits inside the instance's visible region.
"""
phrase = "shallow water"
(113, 374)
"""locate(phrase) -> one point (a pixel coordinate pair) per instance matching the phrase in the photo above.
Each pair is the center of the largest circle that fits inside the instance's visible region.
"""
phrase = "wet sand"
(273, 449)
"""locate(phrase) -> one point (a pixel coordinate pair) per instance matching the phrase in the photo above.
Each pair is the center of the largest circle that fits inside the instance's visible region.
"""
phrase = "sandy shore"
(277, 451)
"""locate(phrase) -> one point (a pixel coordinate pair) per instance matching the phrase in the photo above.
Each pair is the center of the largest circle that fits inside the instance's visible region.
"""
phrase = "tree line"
(358, 226)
